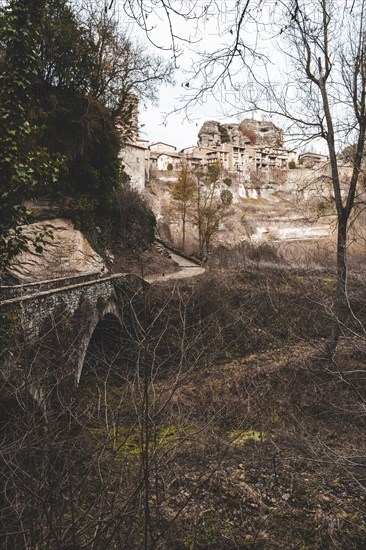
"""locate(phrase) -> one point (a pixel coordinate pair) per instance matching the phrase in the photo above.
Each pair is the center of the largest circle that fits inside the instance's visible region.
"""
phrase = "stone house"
(248, 147)
(161, 147)
(162, 155)
(166, 160)
(133, 160)
(310, 160)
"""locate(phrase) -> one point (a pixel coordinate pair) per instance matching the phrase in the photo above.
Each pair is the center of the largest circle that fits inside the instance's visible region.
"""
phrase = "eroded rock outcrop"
(248, 132)
(261, 133)
(67, 253)
(209, 135)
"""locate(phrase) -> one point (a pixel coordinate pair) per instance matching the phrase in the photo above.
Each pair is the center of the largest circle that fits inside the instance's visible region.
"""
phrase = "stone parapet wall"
(66, 315)
(99, 294)
(69, 285)
(13, 291)
(43, 304)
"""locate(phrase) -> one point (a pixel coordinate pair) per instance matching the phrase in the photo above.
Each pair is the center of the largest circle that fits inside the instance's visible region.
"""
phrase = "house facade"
(310, 160)
(133, 161)
(242, 157)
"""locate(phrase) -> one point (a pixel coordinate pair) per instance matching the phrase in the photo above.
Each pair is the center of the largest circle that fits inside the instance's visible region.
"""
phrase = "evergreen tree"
(184, 192)
(23, 166)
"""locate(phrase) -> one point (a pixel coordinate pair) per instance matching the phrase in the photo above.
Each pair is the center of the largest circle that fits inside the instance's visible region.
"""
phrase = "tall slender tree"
(184, 193)
(328, 56)
(316, 83)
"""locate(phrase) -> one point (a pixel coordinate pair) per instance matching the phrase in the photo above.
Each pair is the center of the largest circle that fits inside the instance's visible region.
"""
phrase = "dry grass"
(299, 480)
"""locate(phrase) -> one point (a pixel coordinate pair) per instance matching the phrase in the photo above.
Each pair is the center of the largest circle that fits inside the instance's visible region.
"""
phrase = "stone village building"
(240, 149)
(309, 160)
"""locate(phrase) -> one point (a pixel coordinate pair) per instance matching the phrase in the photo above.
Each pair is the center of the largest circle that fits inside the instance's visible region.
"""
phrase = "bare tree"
(212, 208)
(316, 82)
(328, 52)
(184, 192)
(125, 66)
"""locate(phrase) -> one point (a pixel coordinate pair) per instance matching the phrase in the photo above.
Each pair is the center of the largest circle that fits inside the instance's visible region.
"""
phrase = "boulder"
(66, 253)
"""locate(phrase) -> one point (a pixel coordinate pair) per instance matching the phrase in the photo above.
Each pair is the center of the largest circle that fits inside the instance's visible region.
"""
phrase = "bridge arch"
(71, 310)
(110, 312)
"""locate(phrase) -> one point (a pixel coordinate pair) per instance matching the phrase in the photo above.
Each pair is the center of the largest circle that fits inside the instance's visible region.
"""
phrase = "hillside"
(262, 210)
(256, 439)
(207, 417)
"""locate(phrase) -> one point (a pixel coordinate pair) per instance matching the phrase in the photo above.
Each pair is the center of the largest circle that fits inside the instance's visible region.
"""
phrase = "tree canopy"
(71, 80)
(24, 166)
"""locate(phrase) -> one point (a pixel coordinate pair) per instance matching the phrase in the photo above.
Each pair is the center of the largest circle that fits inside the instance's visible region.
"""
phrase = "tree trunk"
(339, 300)
(184, 231)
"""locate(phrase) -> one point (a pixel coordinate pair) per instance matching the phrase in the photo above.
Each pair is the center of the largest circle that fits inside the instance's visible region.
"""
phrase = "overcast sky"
(208, 34)
(182, 129)
(179, 129)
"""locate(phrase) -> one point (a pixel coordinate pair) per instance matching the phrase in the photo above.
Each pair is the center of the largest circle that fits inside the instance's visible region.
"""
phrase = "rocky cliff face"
(209, 135)
(267, 209)
(66, 253)
(247, 132)
(262, 133)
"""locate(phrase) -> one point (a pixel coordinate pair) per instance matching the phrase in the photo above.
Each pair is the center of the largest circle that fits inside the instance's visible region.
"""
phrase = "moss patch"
(126, 441)
(240, 437)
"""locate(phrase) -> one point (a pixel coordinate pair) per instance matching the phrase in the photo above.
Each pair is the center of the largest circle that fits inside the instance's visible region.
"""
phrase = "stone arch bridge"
(63, 311)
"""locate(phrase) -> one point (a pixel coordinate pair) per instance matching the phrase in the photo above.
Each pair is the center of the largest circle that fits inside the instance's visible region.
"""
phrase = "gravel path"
(188, 269)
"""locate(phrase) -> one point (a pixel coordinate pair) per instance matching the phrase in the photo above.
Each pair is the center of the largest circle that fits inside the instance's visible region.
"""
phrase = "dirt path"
(188, 269)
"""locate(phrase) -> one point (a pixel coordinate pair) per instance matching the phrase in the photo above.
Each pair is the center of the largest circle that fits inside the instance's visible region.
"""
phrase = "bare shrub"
(312, 254)
(259, 177)
(133, 221)
(246, 253)
(278, 175)
(250, 134)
